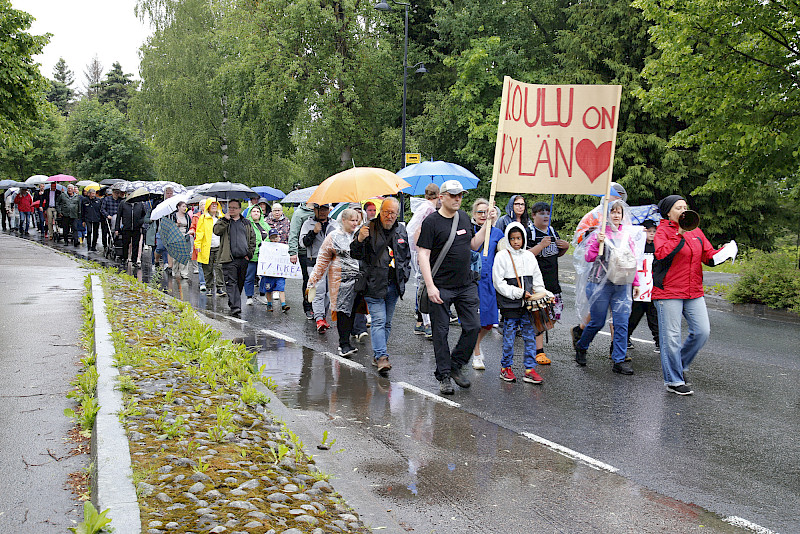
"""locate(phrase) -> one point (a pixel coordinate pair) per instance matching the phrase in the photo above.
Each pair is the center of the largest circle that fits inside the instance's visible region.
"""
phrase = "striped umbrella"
(174, 241)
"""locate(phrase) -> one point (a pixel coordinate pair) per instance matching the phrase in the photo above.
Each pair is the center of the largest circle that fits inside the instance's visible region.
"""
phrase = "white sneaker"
(249, 301)
(477, 362)
(261, 299)
(202, 287)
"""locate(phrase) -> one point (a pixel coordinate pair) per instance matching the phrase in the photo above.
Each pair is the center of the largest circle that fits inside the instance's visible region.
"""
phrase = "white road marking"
(437, 398)
(345, 361)
(632, 339)
(744, 523)
(278, 335)
(569, 453)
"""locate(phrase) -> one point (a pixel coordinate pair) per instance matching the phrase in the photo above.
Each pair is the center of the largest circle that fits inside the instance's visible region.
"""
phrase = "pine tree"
(117, 88)
(60, 93)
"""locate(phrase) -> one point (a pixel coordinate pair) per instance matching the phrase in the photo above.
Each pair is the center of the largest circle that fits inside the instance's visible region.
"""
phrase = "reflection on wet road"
(730, 448)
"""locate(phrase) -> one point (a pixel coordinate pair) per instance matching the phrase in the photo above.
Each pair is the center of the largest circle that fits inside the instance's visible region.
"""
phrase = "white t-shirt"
(214, 237)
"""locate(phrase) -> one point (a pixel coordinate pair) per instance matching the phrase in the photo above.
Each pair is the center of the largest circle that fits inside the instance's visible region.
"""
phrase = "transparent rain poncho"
(334, 257)
(592, 275)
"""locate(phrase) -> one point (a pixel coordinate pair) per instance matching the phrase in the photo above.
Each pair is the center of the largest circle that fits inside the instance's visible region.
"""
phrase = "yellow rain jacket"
(205, 230)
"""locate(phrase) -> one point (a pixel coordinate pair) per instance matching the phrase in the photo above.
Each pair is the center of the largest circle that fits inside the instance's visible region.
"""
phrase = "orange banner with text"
(556, 138)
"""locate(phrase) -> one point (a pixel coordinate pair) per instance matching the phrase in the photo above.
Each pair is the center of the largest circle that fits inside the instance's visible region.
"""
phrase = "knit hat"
(666, 203)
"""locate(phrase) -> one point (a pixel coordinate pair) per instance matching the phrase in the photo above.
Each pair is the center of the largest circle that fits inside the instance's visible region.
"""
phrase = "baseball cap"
(453, 187)
(321, 205)
(273, 232)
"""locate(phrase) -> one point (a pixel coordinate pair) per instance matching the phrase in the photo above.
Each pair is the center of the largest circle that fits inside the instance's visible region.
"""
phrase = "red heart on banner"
(593, 160)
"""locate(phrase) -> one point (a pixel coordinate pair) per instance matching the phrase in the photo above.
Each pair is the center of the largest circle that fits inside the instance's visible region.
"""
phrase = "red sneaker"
(532, 377)
(507, 374)
(322, 326)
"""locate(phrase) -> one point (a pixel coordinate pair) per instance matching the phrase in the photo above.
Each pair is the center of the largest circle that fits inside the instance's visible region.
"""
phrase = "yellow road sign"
(412, 158)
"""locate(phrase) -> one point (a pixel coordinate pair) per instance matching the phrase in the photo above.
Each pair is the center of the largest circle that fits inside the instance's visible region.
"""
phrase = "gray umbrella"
(228, 190)
(299, 196)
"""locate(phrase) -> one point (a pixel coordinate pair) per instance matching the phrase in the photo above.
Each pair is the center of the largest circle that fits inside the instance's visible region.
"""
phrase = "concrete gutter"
(113, 480)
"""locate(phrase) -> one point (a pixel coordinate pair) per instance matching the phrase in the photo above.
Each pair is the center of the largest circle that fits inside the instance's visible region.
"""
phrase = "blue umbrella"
(421, 174)
(270, 193)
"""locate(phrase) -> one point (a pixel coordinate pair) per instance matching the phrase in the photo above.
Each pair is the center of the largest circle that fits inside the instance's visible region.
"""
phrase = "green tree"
(101, 143)
(117, 88)
(22, 87)
(93, 76)
(178, 107)
(61, 92)
(42, 152)
(729, 70)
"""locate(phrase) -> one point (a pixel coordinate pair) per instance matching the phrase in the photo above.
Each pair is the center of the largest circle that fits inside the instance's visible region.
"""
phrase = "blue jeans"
(250, 279)
(676, 356)
(25, 221)
(510, 326)
(381, 311)
(620, 301)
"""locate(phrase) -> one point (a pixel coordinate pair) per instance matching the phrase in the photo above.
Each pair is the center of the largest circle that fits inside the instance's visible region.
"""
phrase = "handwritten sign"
(645, 278)
(556, 138)
(273, 260)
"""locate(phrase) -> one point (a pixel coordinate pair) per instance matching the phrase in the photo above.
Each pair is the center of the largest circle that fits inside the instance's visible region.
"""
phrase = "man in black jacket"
(382, 245)
(91, 217)
(130, 219)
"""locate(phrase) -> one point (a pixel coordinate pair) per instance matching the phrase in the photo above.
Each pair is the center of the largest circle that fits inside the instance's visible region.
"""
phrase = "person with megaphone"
(680, 249)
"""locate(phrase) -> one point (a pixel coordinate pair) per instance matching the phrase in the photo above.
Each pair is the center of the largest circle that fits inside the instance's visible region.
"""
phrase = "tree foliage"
(42, 152)
(101, 143)
(61, 93)
(117, 88)
(22, 87)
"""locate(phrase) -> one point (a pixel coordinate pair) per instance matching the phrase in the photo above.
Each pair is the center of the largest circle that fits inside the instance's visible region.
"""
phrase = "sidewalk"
(40, 331)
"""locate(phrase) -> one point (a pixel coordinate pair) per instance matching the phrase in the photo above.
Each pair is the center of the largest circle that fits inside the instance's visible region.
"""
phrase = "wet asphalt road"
(731, 448)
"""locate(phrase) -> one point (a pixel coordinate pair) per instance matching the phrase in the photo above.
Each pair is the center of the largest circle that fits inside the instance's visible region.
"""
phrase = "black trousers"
(131, 238)
(92, 230)
(234, 272)
(108, 241)
(68, 223)
(465, 299)
(641, 308)
(345, 322)
(301, 256)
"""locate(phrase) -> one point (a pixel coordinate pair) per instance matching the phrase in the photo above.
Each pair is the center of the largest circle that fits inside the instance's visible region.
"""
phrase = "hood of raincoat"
(510, 207)
(524, 247)
(261, 222)
(208, 203)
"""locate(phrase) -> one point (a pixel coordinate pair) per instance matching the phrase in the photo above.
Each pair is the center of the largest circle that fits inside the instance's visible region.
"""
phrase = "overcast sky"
(84, 28)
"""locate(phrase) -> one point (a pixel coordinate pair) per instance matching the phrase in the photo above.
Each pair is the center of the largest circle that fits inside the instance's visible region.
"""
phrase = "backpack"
(621, 264)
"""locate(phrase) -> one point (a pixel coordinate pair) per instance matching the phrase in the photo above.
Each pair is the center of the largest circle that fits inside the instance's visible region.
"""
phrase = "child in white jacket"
(513, 264)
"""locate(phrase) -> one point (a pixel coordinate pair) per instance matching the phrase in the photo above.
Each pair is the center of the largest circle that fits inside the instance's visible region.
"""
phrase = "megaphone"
(689, 220)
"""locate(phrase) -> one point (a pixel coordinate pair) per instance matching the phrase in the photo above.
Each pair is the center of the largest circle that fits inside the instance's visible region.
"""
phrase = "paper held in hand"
(273, 260)
(729, 251)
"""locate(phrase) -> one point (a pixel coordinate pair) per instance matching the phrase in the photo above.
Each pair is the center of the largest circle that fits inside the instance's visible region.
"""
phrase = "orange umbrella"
(357, 184)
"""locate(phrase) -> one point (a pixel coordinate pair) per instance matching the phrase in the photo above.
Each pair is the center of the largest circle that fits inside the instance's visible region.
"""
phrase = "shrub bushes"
(769, 279)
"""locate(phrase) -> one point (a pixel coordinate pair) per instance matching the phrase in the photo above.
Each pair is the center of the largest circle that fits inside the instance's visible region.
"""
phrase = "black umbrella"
(227, 190)
(140, 195)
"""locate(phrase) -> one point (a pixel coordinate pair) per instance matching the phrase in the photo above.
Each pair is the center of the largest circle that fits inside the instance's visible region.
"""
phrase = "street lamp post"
(384, 6)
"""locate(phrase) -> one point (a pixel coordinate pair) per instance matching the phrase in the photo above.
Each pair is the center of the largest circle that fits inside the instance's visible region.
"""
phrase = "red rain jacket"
(684, 279)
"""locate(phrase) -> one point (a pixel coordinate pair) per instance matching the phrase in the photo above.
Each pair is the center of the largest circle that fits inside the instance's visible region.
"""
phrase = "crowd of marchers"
(481, 270)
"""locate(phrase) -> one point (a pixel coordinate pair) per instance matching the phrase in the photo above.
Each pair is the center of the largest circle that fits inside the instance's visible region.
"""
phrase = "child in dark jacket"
(517, 278)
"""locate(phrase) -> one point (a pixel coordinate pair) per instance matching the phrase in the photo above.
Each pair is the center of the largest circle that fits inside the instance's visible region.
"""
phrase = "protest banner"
(555, 139)
(273, 260)
(645, 278)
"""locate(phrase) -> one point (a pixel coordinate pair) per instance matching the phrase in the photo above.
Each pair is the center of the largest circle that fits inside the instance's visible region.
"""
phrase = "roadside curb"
(113, 482)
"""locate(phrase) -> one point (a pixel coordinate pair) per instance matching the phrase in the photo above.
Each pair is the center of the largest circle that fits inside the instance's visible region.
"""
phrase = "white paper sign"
(645, 278)
(273, 260)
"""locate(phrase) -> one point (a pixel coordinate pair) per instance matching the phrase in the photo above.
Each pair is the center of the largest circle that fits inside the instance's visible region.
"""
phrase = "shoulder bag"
(422, 291)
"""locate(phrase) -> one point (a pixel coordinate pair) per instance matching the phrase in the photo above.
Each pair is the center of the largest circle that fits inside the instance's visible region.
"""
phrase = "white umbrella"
(37, 179)
(168, 206)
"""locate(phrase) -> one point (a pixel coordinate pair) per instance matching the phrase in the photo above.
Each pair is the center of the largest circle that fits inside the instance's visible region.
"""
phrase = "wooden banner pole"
(498, 162)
